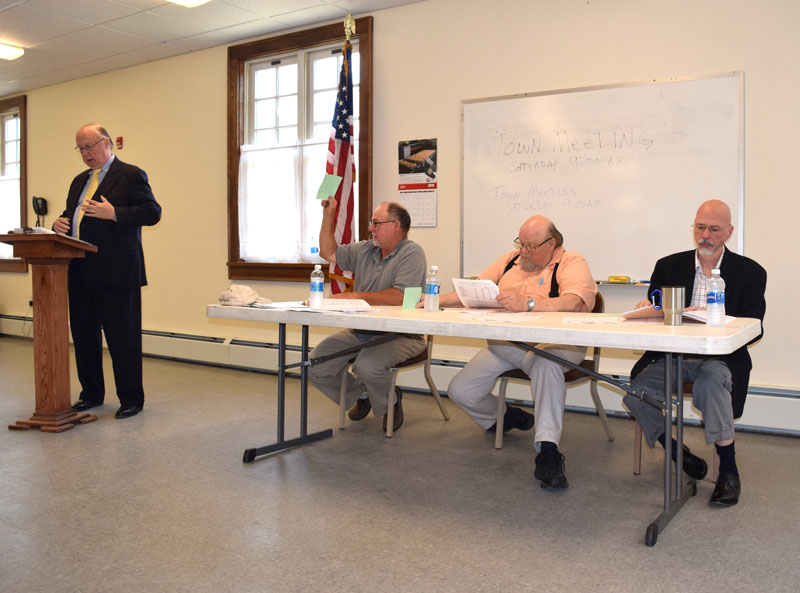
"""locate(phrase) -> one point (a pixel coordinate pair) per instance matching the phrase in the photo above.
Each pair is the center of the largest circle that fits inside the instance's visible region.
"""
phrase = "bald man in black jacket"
(719, 382)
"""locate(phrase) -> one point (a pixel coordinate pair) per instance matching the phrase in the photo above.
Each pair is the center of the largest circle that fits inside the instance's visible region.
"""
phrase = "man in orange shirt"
(537, 276)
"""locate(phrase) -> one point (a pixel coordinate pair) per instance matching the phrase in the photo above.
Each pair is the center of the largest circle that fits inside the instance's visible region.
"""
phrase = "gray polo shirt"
(405, 266)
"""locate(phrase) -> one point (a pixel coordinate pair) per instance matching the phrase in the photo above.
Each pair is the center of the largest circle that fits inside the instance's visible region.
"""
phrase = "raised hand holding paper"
(329, 186)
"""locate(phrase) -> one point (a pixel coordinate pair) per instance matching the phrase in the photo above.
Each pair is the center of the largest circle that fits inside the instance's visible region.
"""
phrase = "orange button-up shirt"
(573, 277)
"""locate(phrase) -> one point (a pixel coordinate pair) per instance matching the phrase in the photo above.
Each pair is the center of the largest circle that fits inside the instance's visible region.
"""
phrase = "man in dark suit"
(719, 382)
(107, 207)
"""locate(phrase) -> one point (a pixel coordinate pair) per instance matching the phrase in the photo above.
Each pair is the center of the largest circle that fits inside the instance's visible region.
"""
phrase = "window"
(282, 94)
(290, 101)
(13, 192)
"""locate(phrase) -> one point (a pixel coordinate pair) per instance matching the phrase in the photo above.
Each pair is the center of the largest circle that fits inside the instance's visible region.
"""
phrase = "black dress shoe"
(515, 418)
(550, 469)
(398, 412)
(695, 467)
(726, 492)
(127, 411)
(360, 409)
(82, 406)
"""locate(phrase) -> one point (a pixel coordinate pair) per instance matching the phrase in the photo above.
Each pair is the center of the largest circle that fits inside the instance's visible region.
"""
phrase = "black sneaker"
(693, 466)
(550, 469)
(514, 418)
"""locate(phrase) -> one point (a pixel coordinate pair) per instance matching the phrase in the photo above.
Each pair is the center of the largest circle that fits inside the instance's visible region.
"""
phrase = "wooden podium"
(49, 255)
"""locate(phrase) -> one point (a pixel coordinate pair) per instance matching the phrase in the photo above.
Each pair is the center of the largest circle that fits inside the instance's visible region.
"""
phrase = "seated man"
(719, 382)
(538, 276)
(384, 267)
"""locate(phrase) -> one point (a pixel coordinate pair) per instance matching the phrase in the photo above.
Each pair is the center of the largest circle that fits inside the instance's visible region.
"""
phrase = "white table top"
(550, 328)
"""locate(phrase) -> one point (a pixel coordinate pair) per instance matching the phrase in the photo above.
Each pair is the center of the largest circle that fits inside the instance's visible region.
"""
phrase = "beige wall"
(429, 57)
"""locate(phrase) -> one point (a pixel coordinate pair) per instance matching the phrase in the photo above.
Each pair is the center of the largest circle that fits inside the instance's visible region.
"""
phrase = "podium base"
(53, 423)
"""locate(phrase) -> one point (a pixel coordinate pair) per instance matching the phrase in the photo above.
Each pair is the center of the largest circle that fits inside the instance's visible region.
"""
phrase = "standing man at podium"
(107, 206)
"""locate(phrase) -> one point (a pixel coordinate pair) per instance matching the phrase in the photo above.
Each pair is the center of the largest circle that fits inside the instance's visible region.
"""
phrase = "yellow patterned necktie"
(93, 183)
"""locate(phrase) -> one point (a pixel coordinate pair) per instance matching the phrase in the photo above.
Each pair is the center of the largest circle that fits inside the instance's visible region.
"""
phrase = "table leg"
(304, 438)
(672, 501)
(304, 383)
(281, 380)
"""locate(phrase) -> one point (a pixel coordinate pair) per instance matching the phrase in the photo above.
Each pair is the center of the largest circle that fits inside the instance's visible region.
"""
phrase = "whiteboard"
(620, 170)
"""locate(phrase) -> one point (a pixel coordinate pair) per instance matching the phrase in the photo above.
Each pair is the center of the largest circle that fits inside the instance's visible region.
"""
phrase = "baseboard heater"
(262, 357)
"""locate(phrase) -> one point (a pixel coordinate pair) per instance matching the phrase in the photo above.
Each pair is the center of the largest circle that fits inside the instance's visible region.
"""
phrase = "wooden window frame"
(18, 265)
(238, 56)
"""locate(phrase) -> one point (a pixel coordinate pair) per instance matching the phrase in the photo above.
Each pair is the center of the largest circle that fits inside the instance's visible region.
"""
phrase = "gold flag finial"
(349, 26)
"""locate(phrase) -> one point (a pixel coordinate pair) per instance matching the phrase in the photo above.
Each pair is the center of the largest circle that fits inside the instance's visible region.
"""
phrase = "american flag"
(342, 163)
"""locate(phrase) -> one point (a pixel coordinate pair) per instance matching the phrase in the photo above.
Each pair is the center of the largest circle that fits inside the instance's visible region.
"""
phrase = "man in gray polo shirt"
(383, 267)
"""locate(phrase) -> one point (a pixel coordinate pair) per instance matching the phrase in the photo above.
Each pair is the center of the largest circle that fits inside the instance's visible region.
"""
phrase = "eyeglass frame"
(713, 229)
(374, 223)
(82, 149)
(520, 245)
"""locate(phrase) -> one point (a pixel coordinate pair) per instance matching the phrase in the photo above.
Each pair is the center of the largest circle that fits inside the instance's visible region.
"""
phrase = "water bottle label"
(715, 297)
(431, 289)
(317, 286)
(314, 250)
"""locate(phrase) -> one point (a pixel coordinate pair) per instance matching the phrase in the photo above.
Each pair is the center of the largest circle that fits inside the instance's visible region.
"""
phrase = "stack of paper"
(476, 293)
(652, 312)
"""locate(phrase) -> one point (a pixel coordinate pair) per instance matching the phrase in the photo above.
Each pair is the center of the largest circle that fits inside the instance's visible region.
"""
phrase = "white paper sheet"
(700, 315)
(345, 305)
(287, 305)
(594, 319)
(476, 293)
(511, 317)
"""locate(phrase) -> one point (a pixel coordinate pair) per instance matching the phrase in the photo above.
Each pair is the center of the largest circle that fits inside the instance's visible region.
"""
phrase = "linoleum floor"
(162, 502)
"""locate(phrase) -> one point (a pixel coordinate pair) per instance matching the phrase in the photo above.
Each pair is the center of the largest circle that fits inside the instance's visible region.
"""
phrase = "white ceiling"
(69, 39)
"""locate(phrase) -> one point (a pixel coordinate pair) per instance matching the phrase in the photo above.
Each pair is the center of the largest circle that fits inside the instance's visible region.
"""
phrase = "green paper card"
(329, 186)
(411, 297)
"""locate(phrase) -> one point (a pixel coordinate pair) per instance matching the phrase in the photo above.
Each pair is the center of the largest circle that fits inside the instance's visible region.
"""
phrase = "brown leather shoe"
(398, 412)
(360, 409)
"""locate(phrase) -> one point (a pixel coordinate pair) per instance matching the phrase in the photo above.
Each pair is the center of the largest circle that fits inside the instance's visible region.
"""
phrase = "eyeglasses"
(377, 222)
(88, 147)
(530, 247)
(714, 230)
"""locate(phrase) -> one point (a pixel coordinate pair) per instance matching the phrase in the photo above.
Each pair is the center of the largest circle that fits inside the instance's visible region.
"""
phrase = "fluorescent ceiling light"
(10, 52)
(189, 3)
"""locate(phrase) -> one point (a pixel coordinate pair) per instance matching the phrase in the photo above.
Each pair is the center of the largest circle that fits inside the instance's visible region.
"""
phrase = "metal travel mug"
(672, 299)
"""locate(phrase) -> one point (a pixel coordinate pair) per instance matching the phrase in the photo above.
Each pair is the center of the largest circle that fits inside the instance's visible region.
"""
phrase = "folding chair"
(421, 359)
(571, 377)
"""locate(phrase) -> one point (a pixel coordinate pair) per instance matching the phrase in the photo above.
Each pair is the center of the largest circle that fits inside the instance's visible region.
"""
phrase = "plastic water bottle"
(432, 290)
(715, 300)
(317, 286)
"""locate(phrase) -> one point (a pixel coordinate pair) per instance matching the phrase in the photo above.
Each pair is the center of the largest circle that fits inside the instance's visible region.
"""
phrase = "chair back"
(599, 304)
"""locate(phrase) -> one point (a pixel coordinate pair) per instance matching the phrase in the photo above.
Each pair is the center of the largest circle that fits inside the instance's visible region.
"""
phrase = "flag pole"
(340, 161)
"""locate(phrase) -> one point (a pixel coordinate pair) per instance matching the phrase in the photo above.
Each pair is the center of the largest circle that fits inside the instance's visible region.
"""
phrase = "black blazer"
(119, 261)
(745, 284)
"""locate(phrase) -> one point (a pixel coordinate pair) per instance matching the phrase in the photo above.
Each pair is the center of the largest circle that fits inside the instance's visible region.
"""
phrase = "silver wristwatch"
(531, 303)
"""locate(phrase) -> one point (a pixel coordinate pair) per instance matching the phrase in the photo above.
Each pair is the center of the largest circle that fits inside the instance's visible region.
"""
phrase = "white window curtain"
(9, 211)
(279, 217)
